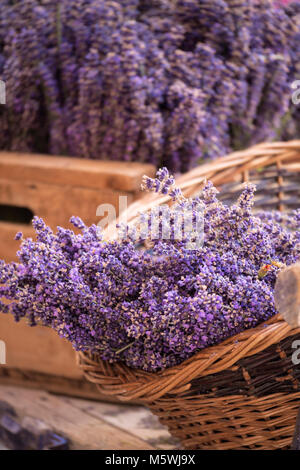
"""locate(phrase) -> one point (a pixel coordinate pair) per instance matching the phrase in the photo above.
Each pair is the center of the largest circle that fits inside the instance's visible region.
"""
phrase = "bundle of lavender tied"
(155, 308)
(163, 81)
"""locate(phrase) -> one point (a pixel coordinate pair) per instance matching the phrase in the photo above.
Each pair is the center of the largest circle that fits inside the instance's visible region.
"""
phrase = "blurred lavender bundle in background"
(166, 82)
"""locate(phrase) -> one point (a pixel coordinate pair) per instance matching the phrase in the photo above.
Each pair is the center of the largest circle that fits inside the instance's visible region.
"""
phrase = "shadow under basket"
(245, 392)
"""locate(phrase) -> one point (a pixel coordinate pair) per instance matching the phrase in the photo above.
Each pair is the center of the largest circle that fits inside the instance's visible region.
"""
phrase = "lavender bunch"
(167, 82)
(153, 308)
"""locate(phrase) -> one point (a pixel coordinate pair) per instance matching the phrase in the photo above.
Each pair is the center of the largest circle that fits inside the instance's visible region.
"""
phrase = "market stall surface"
(88, 424)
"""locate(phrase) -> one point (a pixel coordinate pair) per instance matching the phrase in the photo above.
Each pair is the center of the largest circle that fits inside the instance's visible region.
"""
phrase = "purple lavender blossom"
(153, 308)
(166, 82)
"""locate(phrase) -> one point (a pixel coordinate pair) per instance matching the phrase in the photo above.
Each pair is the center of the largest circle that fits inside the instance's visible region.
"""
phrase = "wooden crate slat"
(54, 188)
(37, 349)
(56, 204)
(52, 383)
(124, 176)
(8, 244)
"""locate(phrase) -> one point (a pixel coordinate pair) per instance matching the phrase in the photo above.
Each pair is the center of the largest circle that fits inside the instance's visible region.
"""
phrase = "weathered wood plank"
(37, 348)
(124, 176)
(74, 387)
(8, 245)
(82, 429)
(287, 294)
(136, 419)
(56, 204)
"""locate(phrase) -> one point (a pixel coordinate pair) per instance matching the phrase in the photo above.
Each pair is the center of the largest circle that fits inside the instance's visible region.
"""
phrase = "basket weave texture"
(245, 392)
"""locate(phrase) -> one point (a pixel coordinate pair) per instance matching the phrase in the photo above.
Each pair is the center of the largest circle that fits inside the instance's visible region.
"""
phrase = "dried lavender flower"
(167, 82)
(153, 308)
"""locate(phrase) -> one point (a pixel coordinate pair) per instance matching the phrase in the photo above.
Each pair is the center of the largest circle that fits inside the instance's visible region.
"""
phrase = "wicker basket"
(245, 392)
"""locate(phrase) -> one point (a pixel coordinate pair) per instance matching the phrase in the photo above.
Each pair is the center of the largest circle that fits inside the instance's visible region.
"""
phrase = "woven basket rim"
(132, 384)
(128, 383)
(218, 171)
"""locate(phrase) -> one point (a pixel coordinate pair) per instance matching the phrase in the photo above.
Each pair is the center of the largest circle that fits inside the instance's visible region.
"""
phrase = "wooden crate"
(54, 188)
